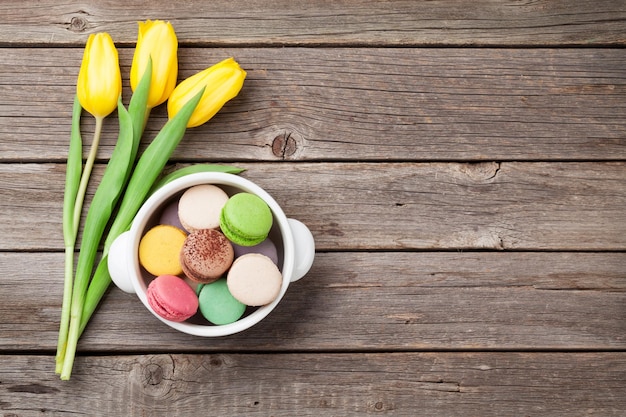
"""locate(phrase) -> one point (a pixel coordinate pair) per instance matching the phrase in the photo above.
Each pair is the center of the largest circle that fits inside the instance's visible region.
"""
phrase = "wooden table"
(462, 168)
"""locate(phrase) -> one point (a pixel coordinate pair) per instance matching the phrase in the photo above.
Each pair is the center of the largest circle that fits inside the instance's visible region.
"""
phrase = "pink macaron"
(172, 298)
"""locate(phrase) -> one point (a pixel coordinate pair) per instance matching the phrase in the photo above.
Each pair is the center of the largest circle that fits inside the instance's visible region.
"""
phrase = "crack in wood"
(34, 388)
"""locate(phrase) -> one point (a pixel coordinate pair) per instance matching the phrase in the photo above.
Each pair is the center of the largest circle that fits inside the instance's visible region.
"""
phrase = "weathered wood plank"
(360, 104)
(432, 384)
(516, 205)
(400, 160)
(381, 301)
(448, 22)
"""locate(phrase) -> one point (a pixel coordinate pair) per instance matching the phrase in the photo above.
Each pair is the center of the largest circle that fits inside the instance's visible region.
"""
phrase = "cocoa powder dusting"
(206, 254)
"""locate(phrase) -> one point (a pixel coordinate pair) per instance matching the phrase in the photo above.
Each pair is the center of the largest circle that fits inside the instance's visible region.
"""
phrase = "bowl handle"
(118, 265)
(304, 248)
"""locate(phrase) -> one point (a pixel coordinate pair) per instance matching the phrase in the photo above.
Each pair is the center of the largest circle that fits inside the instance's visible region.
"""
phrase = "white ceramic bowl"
(294, 241)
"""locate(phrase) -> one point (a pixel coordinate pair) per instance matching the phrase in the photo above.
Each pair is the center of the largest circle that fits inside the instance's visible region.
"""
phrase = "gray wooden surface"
(463, 172)
(402, 104)
(329, 22)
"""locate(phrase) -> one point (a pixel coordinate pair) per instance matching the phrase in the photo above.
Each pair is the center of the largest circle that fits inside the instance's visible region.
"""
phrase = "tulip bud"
(99, 80)
(221, 82)
(156, 40)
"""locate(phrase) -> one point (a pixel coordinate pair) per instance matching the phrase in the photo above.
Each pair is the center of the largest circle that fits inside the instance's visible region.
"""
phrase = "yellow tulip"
(156, 39)
(99, 79)
(221, 82)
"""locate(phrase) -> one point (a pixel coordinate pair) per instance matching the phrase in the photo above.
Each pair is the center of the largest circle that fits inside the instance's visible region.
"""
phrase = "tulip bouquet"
(153, 77)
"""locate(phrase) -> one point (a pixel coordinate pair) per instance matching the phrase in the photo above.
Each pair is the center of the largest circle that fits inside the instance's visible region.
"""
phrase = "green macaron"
(246, 219)
(217, 305)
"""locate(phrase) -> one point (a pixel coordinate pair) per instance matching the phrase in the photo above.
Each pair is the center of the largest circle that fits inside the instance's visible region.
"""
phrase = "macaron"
(246, 219)
(159, 250)
(217, 304)
(254, 279)
(267, 248)
(200, 207)
(169, 216)
(206, 255)
(172, 298)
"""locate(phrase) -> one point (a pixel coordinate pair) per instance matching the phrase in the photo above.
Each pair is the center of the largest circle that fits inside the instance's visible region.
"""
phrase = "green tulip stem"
(84, 179)
(65, 309)
(70, 229)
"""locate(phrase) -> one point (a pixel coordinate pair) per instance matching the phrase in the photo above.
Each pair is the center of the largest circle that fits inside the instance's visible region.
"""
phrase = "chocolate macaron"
(206, 255)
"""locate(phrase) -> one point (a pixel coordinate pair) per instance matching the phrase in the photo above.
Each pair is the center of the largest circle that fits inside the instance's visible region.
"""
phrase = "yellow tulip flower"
(221, 82)
(156, 40)
(99, 79)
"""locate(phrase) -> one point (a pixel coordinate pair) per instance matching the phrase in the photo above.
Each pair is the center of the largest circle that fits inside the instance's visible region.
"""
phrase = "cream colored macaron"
(254, 279)
(200, 207)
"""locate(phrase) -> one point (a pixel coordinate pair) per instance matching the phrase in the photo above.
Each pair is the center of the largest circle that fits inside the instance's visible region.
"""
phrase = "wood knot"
(152, 374)
(284, 146)
(78, 24)
(153, 377)
(379, 406)
(480, 171)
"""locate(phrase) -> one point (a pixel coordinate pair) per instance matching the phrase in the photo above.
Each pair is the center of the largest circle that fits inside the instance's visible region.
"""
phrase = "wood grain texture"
(405, 384)
(391, 206)
(370, 301)
(393, 23)
(353, 104)
(461, 166)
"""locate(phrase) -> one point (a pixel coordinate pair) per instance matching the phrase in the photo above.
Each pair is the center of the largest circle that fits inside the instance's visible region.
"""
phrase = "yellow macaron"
(159, 250)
